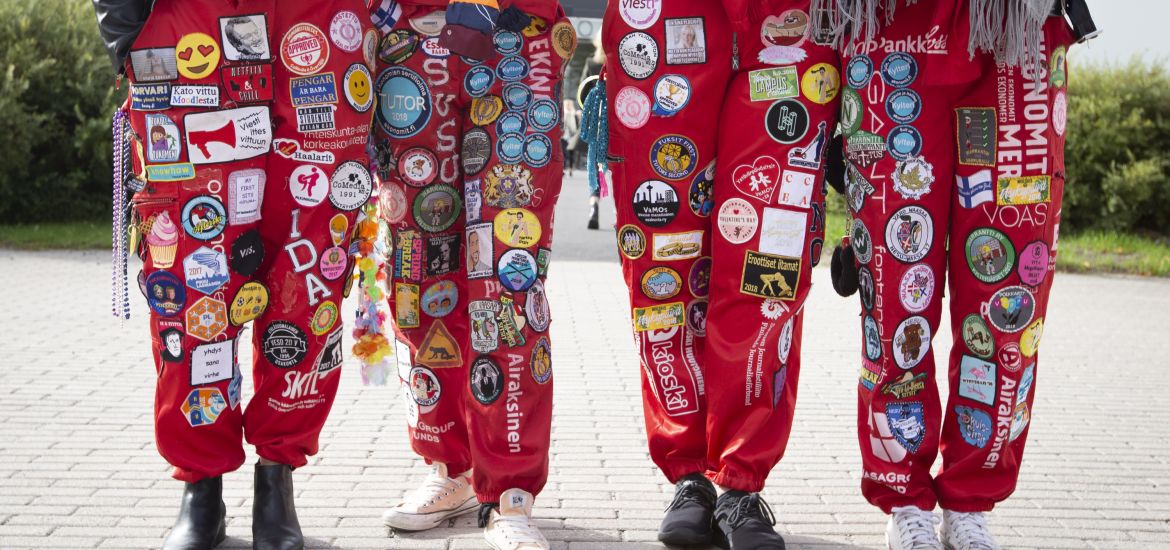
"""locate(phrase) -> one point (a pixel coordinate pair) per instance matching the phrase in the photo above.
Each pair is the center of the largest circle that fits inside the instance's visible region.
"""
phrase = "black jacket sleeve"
(119, 22)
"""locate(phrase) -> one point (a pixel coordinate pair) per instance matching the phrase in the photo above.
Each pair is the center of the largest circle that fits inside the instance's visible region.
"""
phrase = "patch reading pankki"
(769, 276)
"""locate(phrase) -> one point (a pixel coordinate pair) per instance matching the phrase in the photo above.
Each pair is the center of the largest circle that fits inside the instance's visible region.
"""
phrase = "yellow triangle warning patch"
(439, 349)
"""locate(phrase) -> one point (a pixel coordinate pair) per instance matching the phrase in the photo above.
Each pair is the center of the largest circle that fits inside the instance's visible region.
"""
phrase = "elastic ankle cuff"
(730, 481)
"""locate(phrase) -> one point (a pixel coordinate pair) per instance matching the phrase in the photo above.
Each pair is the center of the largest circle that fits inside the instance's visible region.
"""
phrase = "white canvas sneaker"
(911, 528)
(967, 531)
(510, 527)
(439, 498)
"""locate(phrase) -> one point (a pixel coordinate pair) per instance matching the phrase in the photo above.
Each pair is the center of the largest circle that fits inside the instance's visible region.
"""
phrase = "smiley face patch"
(197, 55)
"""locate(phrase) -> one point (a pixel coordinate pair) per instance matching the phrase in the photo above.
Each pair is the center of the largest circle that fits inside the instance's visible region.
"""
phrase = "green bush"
(56, 98)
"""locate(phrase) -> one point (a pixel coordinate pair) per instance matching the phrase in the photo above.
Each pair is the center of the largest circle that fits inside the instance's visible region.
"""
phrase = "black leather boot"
(745, 523)
(201, 524)
(274, 515)
(593, 212)
(688, 517)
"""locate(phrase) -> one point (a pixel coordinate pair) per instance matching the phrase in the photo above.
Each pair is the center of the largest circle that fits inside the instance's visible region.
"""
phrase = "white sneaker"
(967, 531)
(911, 528)
(439, 498)
(510, 527)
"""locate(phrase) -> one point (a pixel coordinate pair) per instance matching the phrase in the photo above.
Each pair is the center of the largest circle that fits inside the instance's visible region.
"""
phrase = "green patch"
(55, 236)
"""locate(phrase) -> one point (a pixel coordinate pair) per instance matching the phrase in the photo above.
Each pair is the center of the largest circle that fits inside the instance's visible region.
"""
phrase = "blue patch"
(674, 157)
(906, 423)
(537, 150)
(516, 269)
(974, 426)
(479, 80)
(899, 69)
(512, 68)
(150, 97)
(404, 102)
(904, 142)
(313, 90)
(206, 270)
(517, 96)
(165, 293)
(510, 148)
(507, 42)
(511, 123)
(859, 71)
(873, 340)
(903, 106)
(204, 217)
(544, 115)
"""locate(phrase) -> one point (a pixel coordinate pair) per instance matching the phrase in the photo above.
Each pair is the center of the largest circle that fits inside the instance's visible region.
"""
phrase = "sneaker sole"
(677, 540)
(423, 522)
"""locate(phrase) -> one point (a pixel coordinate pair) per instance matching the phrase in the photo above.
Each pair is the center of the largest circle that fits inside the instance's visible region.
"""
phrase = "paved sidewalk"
(78, 467)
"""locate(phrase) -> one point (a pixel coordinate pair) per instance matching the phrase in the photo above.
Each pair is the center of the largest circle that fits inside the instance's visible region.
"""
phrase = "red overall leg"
(1003, 253)
(513, 164)
(664, 108)
(777, 119)
(419, 130)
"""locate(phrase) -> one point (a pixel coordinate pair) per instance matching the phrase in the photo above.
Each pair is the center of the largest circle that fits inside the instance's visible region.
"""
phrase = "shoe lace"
(434, 487)
(749, 507)
(916, 527)
(970, 530)
(517, 529)
(691, 491)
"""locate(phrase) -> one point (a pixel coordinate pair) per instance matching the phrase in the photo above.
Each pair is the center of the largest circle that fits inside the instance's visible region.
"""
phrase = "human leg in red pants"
(749, 231)
(970, 154)
(235, 234)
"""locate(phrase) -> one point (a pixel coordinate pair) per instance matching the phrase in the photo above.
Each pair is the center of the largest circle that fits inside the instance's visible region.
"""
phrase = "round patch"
(899, 69)
(909, 234)
(638, 55)
(304, 49)
(308, 184)
(418, 166)
(699, 279)
(697, 317)
(702, 193)
(784, 345)
(516, 269)
(977, 336)
(786, 121)
(439, 299)
(1009, 357)
(865, 287)
(507, 42)
(165, 293)
(204, 217)
(484, 110)
(433, 49)
(351, 186)
(517, 96)
(487, 381)
(359, 87)
(436, 208)
(631, 241)
(338, 228)
(859, 70)
(346, 31)
(247, 253)
(990, 255)
(1057, 76)
(913, 178)
(661, 283)
(405, 102)
(537, 150)
(394, 203)
(517, 228)
(397, 46)
(564, 39)
(903, 106)
(333, 263)
(370, 47)
(1060, 113)
(911, 342)
(508, 186)
(541, 363)
(872, 337)
(787, 29)
(324, 318)
(511, 123)
(737, 220)
(197, 55)
(284, 345)
(672, 92)
(1010, 309)
(821, 83)
(477, 149)
(655, 203)
(424, 386)
(430, 24)
(536, 308)
(851, 111)
(512, 68)
(673, 157)
(1033, 263)
(861, 241)
(640, 15)
(632, 107)
(916, 288)
(510, 148)
(1030, 338)
(543, 115)
(479, 80)
(904, 142)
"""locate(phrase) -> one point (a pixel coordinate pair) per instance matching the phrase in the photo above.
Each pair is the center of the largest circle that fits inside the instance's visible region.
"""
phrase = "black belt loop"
(1078, 14)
